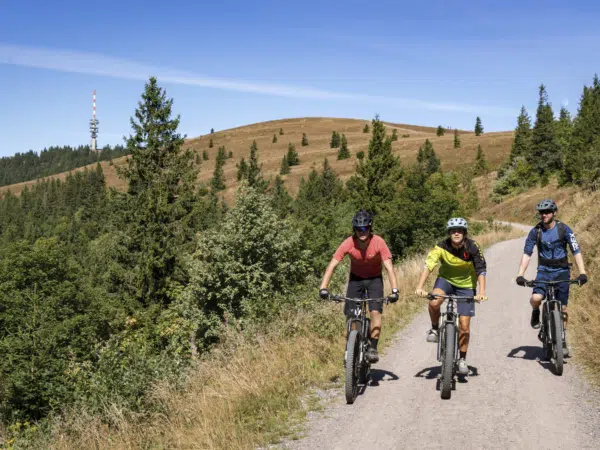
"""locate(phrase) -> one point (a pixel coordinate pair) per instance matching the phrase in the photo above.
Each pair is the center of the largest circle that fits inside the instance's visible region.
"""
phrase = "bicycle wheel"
(447, 361)
(557, 341)
(352, 366)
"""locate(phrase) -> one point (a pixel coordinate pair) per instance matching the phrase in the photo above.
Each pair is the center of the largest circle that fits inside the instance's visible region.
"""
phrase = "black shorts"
(364, 287)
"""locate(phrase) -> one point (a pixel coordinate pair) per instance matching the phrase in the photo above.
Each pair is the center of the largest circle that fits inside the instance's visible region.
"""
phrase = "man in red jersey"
(367, 253)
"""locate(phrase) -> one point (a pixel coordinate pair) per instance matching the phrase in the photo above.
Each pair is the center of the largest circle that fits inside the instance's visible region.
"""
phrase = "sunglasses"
(456, 230)
(543, 213)
(361, 229)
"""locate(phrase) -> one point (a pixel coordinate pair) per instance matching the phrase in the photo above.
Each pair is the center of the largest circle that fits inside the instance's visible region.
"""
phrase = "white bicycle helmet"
(457, 222)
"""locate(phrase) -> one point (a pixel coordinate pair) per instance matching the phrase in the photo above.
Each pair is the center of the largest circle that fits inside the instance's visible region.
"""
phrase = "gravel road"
(510, 399)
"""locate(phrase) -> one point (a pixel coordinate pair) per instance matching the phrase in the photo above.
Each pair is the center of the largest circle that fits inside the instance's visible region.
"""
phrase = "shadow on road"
(378, 375)
(530, 352)
(434, 372)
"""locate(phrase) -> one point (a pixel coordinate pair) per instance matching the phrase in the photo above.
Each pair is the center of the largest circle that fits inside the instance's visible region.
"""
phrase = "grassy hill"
(318, 130)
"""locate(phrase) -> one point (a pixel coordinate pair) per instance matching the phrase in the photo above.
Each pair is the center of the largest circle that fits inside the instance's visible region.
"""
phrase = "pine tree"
(210, 143)
(481, 165)
(545, 155)
(456, 139)
(478, 127)
(394, 135)
(374, 186)
(343, 152)
(212, 130)
(360, 155)
(440, 131)
(242, 169)
(217, 183)
(204, 155)
(285, 166)
(198, 160)
(281, 131)
(254, 176)
(159, 198)
(221, 154)
(304, 140)
(335, 140)
(366, 128)
(427, 159)
(274, 139)
(281, 201)
(522, 142)
(292, 155)
(230, 154)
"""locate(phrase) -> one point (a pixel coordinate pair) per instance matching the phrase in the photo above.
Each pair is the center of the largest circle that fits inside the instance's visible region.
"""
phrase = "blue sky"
(230, 63)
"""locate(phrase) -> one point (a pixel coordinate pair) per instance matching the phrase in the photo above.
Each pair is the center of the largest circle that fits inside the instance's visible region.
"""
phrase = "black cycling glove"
(324, 294)
(393, 298)
(521, 281)
(582, 279)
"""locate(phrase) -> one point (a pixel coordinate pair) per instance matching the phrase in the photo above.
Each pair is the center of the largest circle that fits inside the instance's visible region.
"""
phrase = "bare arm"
(524, 263)
(422, 279)
(579, 261)
(481, 279)
(328, 273)
(391, 273)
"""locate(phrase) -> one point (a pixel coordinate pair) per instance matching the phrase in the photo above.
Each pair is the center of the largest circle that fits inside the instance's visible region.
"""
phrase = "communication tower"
(94, 126)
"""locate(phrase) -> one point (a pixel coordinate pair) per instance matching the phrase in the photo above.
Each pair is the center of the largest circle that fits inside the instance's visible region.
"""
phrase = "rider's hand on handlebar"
(420, 292)
(521, 280)
(393, 297)
(582, 279)
(324, 294)
(480, 298)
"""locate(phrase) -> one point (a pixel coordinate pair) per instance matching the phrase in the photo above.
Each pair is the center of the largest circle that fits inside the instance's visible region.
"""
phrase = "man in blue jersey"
(552, 238)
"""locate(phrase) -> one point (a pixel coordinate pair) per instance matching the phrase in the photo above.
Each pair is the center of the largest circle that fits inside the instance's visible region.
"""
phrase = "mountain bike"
(358, 327)
(447, 348)
(552, 327)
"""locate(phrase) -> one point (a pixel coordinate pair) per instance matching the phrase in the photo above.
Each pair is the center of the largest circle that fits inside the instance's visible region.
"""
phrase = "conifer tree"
(274, 141)
(343, 152)
(335, 140)
(221, 154)
(242, 169)
(254, 176)
(160, 196)
(230, 154)
(304, 140)
(217, 183)
(212, 130)
(281, 131)
(285, 166)
(281, 201)
(478, 127)
(522, 142)
(360, 155)
(481, 165)
(394, 135)
(427, 159)
(456, 139)
(366, 128)
(210, 143)
(198, 160)
(292, 155)
(545, 156)
(204, 155)
(440, 131)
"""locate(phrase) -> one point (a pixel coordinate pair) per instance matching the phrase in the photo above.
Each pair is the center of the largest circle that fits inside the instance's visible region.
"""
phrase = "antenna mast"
(94, 125)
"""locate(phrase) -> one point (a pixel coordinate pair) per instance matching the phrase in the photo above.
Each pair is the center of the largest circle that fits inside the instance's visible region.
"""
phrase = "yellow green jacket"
(460, 266)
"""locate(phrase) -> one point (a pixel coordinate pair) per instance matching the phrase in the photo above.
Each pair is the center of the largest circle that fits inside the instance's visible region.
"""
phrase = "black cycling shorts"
(364, 287)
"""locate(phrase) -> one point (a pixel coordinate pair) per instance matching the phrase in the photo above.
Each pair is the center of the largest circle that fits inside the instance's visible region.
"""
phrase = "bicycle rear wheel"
(352, 366)
(557, 341)
(448, 361)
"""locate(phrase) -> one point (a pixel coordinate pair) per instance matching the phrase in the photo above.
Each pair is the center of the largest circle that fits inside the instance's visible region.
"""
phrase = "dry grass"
(495, 145)
(250, 390)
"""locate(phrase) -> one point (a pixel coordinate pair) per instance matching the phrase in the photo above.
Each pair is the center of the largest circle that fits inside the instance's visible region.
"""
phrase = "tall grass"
(254, 388)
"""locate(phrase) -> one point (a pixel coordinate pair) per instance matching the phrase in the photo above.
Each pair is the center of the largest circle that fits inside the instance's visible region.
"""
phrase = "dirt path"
(511, 398)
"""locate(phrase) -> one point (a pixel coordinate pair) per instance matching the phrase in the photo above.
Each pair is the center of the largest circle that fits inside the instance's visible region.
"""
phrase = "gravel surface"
(510, 399)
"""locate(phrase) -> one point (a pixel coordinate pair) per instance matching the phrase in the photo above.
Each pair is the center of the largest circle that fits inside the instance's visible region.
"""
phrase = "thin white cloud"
(102, 65)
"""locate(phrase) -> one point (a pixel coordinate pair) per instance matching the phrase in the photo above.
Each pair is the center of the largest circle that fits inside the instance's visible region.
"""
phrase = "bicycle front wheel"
(448, 360)
(557, 341)
(352, 366)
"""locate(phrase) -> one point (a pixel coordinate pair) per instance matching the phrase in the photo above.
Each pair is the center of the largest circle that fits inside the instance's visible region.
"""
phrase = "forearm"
(423, 278)
(579, 261)
(481, 280)
(391, 273)
(328, 273)
(524, 263)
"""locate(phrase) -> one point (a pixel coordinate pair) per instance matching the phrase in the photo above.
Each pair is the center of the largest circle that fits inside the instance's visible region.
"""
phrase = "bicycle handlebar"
(458, 298)
(531, 283)
(339, 298)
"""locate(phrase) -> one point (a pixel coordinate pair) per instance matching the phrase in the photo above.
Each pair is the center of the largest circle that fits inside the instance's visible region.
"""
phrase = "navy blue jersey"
(551, 246)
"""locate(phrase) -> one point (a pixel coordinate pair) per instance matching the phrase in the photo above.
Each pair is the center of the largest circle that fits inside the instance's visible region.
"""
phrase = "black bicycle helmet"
(362, 219)
(546, 205)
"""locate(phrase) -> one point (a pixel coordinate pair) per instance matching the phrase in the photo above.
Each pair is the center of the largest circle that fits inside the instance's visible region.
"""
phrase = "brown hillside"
(318, 130)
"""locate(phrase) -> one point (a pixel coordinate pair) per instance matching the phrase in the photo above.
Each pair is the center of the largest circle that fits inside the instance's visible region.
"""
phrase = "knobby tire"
(448, 361)
(352, 366)
(557, 341)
